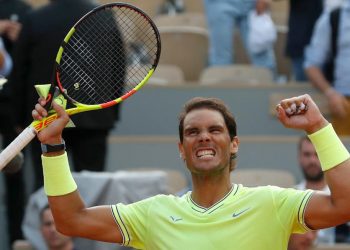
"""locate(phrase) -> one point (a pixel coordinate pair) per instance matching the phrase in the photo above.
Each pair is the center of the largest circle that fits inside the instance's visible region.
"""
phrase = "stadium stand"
(259, 177)
(150, 7)
(193, 6)
(279, 12)
(182, 19)
(166, 75)
(236, 74)
(186, 47)
(332, 247)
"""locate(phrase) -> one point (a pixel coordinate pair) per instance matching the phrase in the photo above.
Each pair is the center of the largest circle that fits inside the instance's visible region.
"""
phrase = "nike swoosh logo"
(175, 219)
(234, 215)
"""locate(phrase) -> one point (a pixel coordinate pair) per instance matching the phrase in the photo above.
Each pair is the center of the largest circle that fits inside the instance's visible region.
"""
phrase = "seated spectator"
(53, 239)
(302, 241)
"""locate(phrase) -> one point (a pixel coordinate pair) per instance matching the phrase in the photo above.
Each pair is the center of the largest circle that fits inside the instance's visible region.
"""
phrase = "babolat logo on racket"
(76, 86)
(45, 122)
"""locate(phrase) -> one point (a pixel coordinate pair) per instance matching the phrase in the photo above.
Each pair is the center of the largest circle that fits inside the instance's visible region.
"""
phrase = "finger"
(42, 101)
(36, 115)
(288, 107)
(57, 107)
(281, 113)
(294, 106)
(60, 111)
(40, 110)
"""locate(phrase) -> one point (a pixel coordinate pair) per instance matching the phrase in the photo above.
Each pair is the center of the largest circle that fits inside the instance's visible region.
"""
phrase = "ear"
(181, 150)
(234, 145)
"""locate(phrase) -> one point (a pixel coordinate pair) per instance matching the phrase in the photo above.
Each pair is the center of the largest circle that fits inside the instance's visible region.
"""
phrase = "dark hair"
(212, 104)
(301, 140)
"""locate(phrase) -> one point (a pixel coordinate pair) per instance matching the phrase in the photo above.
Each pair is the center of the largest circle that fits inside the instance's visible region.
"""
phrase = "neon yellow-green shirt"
(260, 218)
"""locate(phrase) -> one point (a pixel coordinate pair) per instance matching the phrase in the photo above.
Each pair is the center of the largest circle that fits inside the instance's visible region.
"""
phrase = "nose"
(204, 136)
(314, 158)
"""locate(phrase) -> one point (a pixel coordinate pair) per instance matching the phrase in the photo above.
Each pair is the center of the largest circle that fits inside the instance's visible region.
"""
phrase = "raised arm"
(71, 215)
(322, 210)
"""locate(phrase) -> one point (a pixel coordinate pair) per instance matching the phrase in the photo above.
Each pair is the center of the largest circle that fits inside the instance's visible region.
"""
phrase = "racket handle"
(16, 146)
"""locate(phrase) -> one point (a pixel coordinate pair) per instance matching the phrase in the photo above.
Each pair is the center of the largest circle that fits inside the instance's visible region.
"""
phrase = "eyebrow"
(191, 128)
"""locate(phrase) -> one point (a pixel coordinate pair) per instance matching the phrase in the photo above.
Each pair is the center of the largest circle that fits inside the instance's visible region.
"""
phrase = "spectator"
(319, 52)
(301, 21)
(310, 166)
(34, 59)
(223, 16)
(302, 241)
(53, 239)
(12, 13)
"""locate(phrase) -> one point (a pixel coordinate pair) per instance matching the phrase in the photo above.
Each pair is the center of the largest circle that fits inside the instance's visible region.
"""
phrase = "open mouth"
(205, 153)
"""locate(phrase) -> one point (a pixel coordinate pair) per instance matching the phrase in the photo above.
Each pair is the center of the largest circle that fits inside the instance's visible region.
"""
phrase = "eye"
(215, 130)
(191, 132)
(307, 154)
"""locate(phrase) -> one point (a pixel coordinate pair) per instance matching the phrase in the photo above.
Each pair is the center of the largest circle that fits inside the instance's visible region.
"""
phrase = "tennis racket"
(105, 58)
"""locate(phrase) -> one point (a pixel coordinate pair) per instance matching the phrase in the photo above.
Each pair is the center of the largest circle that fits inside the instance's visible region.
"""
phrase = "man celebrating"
(217, 214)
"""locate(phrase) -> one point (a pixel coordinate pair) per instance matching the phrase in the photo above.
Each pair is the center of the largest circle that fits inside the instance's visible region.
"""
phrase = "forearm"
(60, 187)
(71, 215)
(317, 79)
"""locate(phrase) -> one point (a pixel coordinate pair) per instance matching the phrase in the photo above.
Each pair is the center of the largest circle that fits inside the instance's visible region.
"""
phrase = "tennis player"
(216, 214)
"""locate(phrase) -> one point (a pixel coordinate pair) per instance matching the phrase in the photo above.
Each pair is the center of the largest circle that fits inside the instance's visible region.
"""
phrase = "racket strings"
(108, 55)
(139, 50)
(93, 67)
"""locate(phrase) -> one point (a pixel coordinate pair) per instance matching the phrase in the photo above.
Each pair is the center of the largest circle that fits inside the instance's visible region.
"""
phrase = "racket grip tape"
(16, 146)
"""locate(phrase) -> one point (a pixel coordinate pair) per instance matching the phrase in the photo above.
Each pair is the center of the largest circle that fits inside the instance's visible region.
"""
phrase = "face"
(206, 146)
(309, 162)
(302, 241)
(51, 236)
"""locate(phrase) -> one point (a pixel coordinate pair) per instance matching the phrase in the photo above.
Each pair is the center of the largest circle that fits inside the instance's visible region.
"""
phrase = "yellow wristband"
(58, 179)
(329, 148)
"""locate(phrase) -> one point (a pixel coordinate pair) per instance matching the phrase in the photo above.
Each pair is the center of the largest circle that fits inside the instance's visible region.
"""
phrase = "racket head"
(107, 56)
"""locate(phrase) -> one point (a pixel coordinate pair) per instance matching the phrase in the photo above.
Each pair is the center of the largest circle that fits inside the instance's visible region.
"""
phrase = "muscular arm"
(322, 210)
(74, 219)
(334, 209)
(71, 215)
(317, 78)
